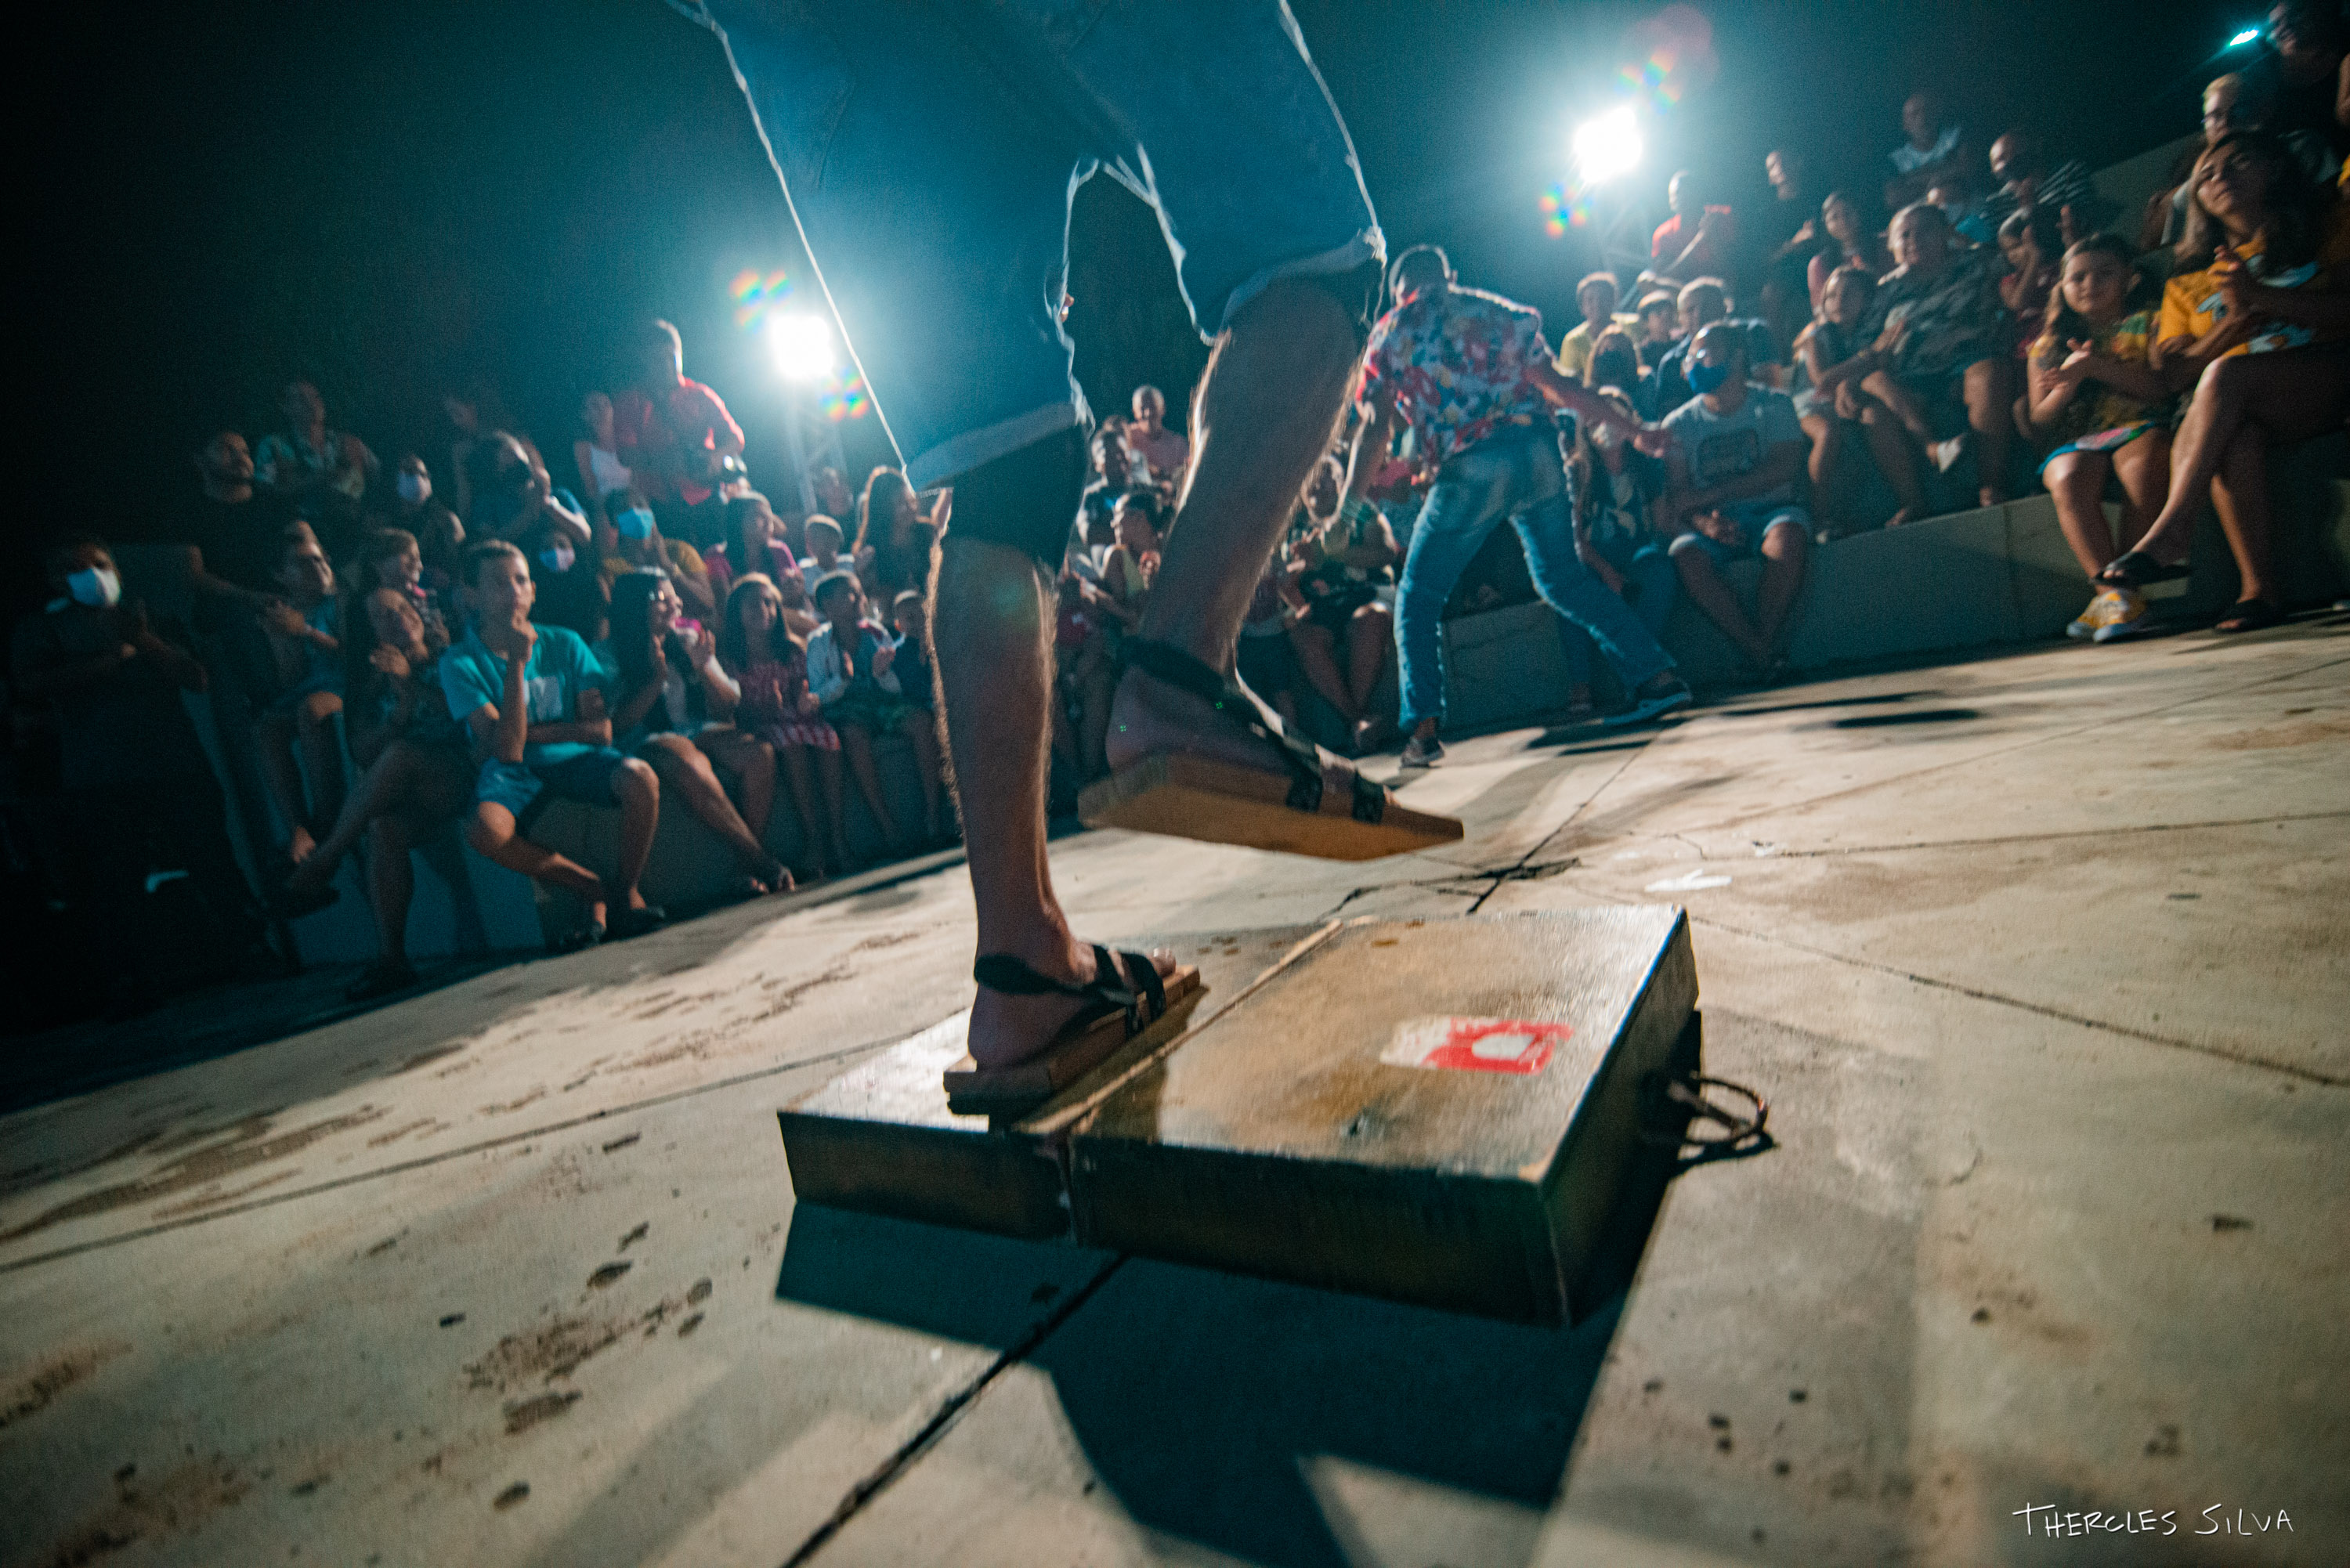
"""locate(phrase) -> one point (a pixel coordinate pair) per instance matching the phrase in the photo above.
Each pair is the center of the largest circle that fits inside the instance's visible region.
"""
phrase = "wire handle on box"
(1729, 1128)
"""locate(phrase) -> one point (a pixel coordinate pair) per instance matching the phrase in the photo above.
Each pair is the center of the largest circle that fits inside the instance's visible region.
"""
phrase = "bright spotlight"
(1607, 147)
(802, 346)
(2248, 36)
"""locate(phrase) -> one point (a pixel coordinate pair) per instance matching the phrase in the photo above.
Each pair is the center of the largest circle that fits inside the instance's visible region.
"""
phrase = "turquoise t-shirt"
(562, 666)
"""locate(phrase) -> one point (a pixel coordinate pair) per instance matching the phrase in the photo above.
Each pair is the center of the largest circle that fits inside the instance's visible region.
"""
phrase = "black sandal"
(1198, 797)
(1127, 997)
(2136, 569)
(2250, 615)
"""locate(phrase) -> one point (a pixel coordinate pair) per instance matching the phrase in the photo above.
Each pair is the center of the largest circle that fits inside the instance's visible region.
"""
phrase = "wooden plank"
(1194, 798)
(881, 1137)
(1440, 1112)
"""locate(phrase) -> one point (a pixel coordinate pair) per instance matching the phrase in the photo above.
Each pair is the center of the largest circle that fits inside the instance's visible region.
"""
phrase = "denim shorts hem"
(973, 449)
(1368, 246)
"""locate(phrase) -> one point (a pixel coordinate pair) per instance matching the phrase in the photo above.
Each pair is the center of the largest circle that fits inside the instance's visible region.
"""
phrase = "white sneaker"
(1946, 454)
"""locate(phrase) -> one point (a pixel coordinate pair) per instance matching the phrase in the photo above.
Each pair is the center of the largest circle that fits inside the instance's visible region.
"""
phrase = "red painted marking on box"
(1476, 1045)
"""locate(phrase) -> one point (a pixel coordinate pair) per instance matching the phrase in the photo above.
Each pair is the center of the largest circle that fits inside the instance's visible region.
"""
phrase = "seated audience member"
(895, 544)
(1955, 194)
(2239, 102)
(1168, 452)
(2254, 322)
(1703, 303)
(531, 699)
(1267, 658)
(138, 795)
(1115, 474)
(631, 540)
(2034, 253)
(1659, 323)
(595, 452)
(1935, 146)
(2306, 38)
(322, 474)
(1851, 244)
(851, 670)
(1832, 360)
(391, 557)
(2065, 192)
(511, 494)
(1344, 553)
(833, 496)
(825, 544)
(304, 629)
(1937, 318)
(1084, 675)
(2096, 394)
(1616, 362)
(674, 434)
(1792, 235)
(1737, 453)
(571, 589)
(752, 542)
(671, 703)
(909, 616)
(1698, 239)
(1611, 484)
(472, 414)
(768, 664)
(440, 537)
(1596, 297)
(233, 528)
(1132, 565)
(416, 777)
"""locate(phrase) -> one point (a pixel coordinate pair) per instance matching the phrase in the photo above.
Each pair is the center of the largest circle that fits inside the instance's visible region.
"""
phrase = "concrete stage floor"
(2043, 962)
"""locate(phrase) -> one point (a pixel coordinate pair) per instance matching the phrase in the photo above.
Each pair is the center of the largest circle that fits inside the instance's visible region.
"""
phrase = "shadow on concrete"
(1906, 716)
(1209, 1404)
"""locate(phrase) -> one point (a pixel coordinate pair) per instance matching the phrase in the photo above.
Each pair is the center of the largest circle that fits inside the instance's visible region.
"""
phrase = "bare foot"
(1147, 716)
(1007, 1031)
(1899, 518)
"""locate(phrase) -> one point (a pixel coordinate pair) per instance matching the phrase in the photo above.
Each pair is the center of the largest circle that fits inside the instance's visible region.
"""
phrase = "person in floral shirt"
(1470, 374)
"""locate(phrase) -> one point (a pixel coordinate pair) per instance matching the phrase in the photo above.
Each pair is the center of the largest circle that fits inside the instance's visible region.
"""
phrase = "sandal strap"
(1126, 981)
(1165, 661)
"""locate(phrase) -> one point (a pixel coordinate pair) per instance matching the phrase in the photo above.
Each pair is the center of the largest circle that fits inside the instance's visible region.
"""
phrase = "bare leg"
(1711, 594)
(382, 789)
(1904, 403)
(1896, 459)
(1313, 645)
(696, 783)
(752, 763)
(391, 880)
(920, 728)
(2144, 469)
(273, 735)
(2241, 490)
(637, 788)
(1369, 635)
(860, 747)
(835, 808)
(1266, 410)
(2076, 482)
(2291, 395)
(1990, 386)
(800, 782)
(491, 833)
(1827, 444)
(1097, 682)
(1786, 549)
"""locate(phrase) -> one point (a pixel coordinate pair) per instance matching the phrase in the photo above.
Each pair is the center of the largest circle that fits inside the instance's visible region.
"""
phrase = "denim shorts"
(931, 150)
(1721, 555)
(526, 791)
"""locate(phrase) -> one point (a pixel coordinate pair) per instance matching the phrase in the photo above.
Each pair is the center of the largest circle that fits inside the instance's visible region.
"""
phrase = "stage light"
(2248, 36)
(802, 346)
(1607, 147)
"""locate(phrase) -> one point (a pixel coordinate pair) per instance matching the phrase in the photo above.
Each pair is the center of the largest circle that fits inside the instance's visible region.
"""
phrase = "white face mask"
(96, 586)
(415, 488)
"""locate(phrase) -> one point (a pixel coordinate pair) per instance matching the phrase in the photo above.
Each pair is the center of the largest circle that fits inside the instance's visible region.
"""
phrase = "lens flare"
(755, 293)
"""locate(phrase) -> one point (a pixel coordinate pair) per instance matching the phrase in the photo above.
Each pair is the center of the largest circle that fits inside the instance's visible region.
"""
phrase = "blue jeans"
(1516, 476)
(931, 149)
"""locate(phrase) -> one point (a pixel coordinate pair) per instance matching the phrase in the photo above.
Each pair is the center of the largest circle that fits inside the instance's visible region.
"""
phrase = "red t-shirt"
(1713, 258)
(657, 446)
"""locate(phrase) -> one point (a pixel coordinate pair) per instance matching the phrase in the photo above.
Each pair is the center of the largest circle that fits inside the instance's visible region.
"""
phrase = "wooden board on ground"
(881, 1137)
(1440, 1112)
(1193, 798)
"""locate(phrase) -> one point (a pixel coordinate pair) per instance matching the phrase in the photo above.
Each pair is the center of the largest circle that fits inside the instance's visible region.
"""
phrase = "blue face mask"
(95, 586)
(1704, 378)
(634, 523)
(557, 558)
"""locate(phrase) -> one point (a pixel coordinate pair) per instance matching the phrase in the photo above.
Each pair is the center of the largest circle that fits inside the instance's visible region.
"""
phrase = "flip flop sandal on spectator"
(380, 978)
(626, 923)
(578, 939)
(1189, 796)
(2250, 615)
(1126, 996)
(288, 904)
(2136, 569)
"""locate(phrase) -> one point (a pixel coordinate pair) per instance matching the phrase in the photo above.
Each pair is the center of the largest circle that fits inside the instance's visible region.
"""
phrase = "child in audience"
(2035, 255)
(393, 558)
(1660, 327)
(416, 776)
(768, 664)
(629, 540)
(572, 590)
(531, 698)
(2096, 393)
(825, 541)
(912, 661)
(670, 701)
(1133, 562)
(1855, 246)
(302, 630)
(851, 668)
(753, 542)
(1832, 359)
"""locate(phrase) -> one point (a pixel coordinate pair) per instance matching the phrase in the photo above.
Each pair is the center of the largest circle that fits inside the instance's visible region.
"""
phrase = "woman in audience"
(894, 540)
(2255, 320)
(572, 589)
(671, 703)
(472, 413)
(416, 778)
(593, 453)
(2034, 256)
(1853, 244)
(1344, 555)
(768, 663)
(1832, 360)
(752, 542)
(303, 630)
(2096, 393)
(1937, 319)
(851, 668)
(629, 540)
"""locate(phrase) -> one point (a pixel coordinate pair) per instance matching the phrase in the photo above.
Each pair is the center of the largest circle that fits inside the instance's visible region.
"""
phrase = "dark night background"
(387, 198)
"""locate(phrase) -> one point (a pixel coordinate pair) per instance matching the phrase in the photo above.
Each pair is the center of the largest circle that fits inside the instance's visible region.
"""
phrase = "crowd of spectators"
(464, 638)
